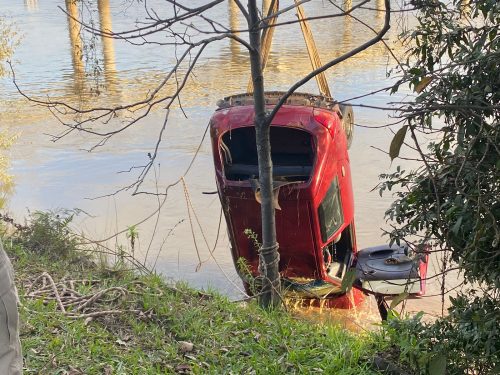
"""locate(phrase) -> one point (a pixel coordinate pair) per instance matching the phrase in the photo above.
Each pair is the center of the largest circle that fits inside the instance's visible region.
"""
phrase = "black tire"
(347, 122)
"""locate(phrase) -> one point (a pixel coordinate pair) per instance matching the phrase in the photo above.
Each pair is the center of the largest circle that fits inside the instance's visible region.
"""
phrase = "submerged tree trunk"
(269, 256)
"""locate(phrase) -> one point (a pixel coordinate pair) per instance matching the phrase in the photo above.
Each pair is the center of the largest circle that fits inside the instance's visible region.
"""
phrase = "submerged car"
(310, 137)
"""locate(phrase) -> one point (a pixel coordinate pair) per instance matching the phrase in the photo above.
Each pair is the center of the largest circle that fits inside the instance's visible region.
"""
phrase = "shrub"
(48, 233)
(467, 341)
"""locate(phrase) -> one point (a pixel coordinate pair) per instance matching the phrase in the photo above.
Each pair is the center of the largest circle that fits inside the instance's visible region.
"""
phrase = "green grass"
(228, 337)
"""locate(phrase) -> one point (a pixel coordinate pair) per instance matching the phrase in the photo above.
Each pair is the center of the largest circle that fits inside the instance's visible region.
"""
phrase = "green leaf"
(437, 365)
(398, 299)
(492, 34)
(394, 88)
(415, 71)
(348, 280)
(397, 142)
(456, 226)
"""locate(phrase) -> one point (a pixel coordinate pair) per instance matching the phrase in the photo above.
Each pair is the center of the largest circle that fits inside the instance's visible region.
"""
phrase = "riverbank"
(82, 316)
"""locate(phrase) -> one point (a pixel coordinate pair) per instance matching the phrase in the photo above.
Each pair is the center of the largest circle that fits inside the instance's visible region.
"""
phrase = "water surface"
(54, 61)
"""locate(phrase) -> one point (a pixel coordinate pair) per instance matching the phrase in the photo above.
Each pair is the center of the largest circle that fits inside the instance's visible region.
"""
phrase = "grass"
(157, 328)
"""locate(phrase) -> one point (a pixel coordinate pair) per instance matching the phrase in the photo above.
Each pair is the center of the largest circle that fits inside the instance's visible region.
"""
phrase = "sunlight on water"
(364, 317)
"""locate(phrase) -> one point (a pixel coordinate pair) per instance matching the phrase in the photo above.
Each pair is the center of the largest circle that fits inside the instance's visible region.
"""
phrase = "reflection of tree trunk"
(269, 256)
(347, 29)
(234, 24)
(108, 48)
(31, 5)
(265, 7)
(380, 9)
(76, 42)
(347, 33)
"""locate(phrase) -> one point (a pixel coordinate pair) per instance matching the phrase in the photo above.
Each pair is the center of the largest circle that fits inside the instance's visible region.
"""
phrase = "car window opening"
(337, 254)
(330, 211)
(292, 153)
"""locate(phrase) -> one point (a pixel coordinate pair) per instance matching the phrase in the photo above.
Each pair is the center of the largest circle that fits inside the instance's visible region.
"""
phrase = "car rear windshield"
(292, 153)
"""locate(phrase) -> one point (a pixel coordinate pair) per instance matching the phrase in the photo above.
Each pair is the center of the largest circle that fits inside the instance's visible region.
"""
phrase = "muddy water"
(50, 175)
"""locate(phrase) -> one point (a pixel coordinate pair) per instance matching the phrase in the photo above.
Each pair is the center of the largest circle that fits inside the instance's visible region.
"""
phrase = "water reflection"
(76, 42)
(265, 6)
(234, 24)
(347, 32)
(81, 46)
(380, 8)
(288, 59)
(364, 317)
(108, 48)
(31, 5)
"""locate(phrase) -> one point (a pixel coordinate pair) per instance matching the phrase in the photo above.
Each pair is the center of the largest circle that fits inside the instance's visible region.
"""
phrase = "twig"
(103, 313)
(56, 293)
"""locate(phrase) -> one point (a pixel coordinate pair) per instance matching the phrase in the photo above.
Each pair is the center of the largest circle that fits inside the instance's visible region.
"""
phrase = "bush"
(48, 233)
(467, 341)
(451, 199)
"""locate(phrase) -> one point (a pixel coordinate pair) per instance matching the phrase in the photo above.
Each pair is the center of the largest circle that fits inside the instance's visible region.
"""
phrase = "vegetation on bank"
(451, 200)
(82, 316)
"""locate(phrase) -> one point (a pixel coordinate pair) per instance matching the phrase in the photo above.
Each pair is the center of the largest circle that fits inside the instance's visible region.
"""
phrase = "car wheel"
(347, 122)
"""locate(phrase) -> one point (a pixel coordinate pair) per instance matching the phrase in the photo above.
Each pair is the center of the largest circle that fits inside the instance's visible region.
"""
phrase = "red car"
(310, 136)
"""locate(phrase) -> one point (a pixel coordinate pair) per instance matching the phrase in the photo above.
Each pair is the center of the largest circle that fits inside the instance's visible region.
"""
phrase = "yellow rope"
(313, 51)
(190, 208)
(186, 195)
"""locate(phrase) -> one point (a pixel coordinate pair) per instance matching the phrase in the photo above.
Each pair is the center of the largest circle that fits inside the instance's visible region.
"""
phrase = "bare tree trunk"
(269, 256)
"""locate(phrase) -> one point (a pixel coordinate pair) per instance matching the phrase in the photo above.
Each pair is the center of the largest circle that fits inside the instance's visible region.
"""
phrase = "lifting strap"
(312, 50)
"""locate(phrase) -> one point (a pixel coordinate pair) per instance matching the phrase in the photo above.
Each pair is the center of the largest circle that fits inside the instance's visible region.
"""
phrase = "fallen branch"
(75, 305)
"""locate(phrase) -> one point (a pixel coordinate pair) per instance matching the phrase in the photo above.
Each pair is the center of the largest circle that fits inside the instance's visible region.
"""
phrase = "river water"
(63, 174)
